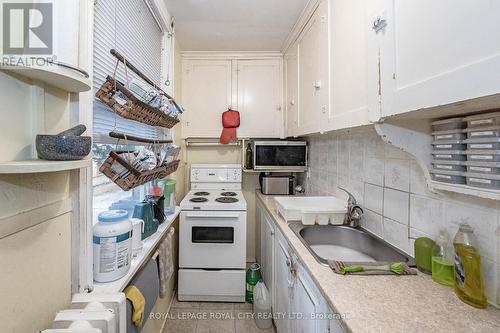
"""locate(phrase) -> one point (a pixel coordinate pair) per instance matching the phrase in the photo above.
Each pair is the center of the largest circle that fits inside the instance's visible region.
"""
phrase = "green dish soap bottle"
(442, 262)
(469, 283)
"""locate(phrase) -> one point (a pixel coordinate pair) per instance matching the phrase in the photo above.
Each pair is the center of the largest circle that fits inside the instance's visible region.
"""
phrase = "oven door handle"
(233, 216)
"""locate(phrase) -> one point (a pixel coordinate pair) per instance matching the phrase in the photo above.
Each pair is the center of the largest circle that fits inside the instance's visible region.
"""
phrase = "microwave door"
(285, 157)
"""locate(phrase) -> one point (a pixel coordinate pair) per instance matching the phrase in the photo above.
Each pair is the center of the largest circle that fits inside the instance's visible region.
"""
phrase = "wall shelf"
(465, 189)
(149, 246)
(54, 75)
(41, 166)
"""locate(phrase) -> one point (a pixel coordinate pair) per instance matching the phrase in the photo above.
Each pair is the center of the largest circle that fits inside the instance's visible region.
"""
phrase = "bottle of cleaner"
(442, 262)
(469, 283)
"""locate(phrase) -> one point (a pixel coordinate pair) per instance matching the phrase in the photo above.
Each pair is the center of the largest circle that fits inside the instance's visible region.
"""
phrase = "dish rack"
(127, 177)
(123, 102)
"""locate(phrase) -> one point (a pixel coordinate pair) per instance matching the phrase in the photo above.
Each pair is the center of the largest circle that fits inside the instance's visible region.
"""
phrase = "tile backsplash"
(390, 186)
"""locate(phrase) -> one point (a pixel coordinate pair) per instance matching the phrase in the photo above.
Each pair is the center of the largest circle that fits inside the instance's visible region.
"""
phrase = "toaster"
(277, 184)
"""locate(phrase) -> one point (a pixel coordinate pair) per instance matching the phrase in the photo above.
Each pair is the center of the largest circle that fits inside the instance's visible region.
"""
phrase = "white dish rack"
(311, 210)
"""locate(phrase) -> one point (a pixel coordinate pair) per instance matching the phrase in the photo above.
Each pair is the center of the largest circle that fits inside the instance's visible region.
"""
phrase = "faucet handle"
(352, 200)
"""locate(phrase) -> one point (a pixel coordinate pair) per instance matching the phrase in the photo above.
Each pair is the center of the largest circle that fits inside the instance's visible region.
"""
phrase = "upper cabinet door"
(291, 68)
(348, 64)
(206, 93)
(260, 98)
(432, 53)
(313, 72)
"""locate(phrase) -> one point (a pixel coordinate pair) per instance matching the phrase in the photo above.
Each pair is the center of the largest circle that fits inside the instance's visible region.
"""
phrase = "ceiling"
(234, 25)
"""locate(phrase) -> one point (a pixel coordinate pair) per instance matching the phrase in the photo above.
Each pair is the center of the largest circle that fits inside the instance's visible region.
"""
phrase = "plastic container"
(112, 245)
(252, 277)
(451, 177)
(169, 194)
(448, 124)
(442, 262)
(483, 155)
(448, 145)
(262, 306)
(483, 143)
(489, 168)
(483, 120)
(449, 155)
(491, 182)
(486, 132)
(469, 283)
(423, 254)
(308, 218)
(449, 165)
(457, 134)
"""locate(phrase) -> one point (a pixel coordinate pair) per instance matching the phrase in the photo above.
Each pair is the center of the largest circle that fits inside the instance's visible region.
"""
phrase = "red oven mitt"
(230, 121)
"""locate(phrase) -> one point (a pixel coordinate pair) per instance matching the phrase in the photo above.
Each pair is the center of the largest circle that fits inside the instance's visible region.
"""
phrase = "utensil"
(395, 267)
(76, 131)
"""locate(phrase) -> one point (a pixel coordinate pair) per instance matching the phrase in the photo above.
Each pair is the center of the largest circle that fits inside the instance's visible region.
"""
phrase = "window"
(130, 27)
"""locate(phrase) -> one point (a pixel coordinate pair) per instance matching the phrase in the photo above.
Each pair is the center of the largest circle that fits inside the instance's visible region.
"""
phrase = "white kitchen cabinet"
(260, 98)
(291, 66)
(348, 106)
(431, 53)
(206, 93)
(283, 282)
(267, 252)
(251, 86)
(313, 72)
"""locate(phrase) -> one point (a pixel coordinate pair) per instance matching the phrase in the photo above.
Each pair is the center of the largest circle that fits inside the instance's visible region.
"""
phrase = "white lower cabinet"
(298, 305)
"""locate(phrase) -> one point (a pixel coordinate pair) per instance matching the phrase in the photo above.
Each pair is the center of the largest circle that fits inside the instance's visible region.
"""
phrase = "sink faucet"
(354, 211)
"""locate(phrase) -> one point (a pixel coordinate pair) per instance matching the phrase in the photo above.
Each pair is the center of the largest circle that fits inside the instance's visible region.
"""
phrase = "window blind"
(129, 27)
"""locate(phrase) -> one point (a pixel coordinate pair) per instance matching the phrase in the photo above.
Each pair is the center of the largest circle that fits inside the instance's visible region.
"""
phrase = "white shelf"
(465, 189)
(41, 166)
(148, 247)
(54, 75)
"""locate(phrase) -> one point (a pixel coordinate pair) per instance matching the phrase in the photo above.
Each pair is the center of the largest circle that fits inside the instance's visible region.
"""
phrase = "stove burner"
(201, 194)
(226, 200)
(228, 194)
(198, 199)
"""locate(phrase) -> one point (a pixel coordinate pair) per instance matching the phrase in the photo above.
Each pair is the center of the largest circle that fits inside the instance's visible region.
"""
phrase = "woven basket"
(133, 108)
(134, 177)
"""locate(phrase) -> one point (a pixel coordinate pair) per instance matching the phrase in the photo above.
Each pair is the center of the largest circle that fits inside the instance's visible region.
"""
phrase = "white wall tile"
(397, 174)
(490, 275)
(374, 198)
(373, 222)
(394, 152)
(396, 234)
(374, 170)
(426, 215)
(374, 146)
(418, 184)
(396, 205)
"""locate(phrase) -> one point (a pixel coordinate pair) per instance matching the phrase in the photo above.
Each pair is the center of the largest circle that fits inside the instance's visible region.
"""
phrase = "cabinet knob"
(317, 85)
(292, 102)
(379, 24)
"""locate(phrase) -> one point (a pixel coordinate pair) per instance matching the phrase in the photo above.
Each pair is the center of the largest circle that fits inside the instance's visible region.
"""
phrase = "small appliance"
(284, 156)
(277, 184)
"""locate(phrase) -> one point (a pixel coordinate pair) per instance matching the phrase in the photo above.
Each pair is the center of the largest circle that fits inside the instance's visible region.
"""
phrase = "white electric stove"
(212, 238)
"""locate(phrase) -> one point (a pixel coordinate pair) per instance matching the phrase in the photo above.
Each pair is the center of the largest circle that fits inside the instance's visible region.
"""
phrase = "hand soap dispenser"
(442, 263)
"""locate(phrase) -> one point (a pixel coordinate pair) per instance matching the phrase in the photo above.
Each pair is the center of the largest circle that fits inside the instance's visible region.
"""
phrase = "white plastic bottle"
(262, 306)
(112, 245)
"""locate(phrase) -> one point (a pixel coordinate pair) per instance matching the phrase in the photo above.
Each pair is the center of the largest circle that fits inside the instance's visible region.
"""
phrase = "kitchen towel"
(337, 266)
(166, 261)
(138, 302)
(230, 121)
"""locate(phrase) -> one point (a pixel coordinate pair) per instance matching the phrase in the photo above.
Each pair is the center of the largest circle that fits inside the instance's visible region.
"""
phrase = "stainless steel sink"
(343, 243)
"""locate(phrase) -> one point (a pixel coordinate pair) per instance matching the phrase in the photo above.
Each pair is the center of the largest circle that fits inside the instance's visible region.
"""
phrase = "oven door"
(280, 155)
(212, 239)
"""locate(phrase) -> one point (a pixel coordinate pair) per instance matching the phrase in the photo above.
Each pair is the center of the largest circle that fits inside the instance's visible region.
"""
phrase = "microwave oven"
(280, 155)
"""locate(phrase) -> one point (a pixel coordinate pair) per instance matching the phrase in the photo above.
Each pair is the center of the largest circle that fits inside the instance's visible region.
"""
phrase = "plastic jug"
(262, 306)
(169, 194)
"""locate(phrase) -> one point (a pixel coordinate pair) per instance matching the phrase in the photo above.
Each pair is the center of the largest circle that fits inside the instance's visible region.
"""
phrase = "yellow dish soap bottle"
(442, 262)
(469, 283)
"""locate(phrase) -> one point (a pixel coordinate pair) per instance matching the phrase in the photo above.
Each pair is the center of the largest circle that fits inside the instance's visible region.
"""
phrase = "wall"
(398, 206)
(35, 263)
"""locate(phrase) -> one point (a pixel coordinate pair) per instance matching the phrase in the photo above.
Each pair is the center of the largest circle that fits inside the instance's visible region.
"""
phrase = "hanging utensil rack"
(118, 135)
(133, 108)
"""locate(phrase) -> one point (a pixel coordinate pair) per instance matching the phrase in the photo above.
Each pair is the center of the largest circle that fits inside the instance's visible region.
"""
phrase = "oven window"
(223, 235)
(280, 156)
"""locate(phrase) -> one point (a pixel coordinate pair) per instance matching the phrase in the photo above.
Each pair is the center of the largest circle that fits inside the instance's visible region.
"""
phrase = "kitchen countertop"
(388, 303)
